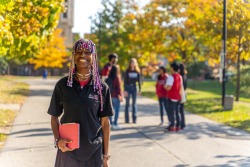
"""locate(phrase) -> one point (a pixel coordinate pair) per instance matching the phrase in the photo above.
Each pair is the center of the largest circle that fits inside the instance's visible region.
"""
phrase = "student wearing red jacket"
(161, 92)
(173, 87)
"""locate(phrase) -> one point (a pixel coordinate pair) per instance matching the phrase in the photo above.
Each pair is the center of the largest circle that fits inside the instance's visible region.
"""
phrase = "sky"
(83, 10)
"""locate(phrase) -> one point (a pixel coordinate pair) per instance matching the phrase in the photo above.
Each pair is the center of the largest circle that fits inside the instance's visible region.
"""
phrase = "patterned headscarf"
(89, 45)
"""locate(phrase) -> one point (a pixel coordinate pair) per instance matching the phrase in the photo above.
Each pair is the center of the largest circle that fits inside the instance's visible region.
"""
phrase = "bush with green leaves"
(244, 79)
(197, 69)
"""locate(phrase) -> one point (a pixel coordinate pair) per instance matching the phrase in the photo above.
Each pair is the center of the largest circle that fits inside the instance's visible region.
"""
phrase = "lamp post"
(99, 34)
(224, 51)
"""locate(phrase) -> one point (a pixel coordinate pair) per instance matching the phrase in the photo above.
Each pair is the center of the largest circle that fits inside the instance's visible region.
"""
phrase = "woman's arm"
(125, 83)
(119, 86)
(139, 82)
(62, 142)
(55, 126)
(106, 137)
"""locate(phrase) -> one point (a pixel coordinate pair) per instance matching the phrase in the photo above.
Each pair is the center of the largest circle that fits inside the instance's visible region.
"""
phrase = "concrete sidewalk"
(202, 143)
(30, 143)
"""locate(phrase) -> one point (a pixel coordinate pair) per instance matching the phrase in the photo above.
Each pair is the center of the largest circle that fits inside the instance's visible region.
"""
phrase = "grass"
(11, 91)
(3, 137)
(6, 119)
(204, 98)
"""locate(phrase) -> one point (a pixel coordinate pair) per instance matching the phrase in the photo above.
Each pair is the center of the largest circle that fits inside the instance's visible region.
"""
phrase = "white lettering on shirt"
(132, 75)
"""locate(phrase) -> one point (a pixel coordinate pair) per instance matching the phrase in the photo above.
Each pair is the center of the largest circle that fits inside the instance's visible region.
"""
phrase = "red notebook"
(71, 132)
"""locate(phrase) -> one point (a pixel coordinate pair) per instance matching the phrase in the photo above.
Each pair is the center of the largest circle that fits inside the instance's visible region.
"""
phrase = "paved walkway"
(203, 143)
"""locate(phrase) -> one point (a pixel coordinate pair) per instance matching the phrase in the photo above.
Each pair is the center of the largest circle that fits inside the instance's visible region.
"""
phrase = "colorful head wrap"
(89, 45)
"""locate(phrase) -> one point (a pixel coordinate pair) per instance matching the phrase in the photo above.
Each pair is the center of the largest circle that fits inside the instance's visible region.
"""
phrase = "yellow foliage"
(25, 25)
(54, 55)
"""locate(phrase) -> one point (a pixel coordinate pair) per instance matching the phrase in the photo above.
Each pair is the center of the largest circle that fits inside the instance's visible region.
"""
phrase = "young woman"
(132, 76)
(183, 73)
(161, 92)
(82, 98)
(116, 94)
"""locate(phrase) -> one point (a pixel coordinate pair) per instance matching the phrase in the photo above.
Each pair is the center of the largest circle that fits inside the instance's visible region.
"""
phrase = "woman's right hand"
(62, 145)
(125, 93)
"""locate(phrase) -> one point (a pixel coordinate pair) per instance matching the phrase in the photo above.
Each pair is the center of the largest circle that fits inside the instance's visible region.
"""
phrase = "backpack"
(109, 82)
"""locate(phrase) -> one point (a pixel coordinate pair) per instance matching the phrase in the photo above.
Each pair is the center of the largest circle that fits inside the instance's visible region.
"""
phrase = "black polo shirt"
(82, 106)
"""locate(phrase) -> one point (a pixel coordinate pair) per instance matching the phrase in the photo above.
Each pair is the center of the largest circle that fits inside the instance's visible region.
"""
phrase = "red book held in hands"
(71, 132)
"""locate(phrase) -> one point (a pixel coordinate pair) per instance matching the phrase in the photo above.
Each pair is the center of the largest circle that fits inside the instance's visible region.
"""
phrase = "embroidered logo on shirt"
(93, 96)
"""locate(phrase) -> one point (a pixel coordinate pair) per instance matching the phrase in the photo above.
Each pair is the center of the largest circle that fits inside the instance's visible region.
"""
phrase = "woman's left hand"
(139, 93)
(105, 162)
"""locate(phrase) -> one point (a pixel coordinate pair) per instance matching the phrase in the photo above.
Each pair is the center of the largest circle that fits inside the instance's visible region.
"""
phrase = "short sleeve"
(55, 107)
(107, 105)
(170, 81)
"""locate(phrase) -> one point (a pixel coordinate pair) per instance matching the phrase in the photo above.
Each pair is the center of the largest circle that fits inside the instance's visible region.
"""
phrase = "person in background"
(180, 109)
(131, 77)
(113, 58)
(114, 83)
(45, 74)
(161, 92)
(173, 87)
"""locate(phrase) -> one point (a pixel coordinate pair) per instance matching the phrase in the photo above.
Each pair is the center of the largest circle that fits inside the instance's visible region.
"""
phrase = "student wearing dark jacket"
(116, 94)
(180, 109)
(113, 58)
(132, 76)
(161, 92)
(82, 98)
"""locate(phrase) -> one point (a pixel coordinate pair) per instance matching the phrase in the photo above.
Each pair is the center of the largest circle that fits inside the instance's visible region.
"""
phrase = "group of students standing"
(168, 90)
(111, 75)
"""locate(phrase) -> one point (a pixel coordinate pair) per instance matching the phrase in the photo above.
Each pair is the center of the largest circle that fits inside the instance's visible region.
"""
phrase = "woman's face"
(133, 63)
(83, 58)
(161, 72)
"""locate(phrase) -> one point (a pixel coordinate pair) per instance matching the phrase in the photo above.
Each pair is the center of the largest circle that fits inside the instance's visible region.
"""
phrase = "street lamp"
(99, 34)
(224, 51)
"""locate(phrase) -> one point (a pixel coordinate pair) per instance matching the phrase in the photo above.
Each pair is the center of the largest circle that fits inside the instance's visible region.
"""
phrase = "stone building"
(66, 22)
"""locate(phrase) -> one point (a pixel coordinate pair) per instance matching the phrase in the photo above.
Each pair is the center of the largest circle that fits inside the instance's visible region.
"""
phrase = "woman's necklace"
(80, 76)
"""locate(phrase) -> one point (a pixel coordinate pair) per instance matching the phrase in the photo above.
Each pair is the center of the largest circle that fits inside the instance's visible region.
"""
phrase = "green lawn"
(204, 98)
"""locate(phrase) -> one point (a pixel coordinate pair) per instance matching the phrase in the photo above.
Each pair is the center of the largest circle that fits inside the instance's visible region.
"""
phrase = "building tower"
(66, 23)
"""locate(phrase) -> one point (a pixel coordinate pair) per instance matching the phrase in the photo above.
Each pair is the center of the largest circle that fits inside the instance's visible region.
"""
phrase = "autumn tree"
(238, 28)
(26, 25)
(105, 26)
(53, 55)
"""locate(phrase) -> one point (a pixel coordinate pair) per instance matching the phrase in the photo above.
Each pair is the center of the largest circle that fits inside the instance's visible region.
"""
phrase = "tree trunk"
(238, 78)
(8, 69)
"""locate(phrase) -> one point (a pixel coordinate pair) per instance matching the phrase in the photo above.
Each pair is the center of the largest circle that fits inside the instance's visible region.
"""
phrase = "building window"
(65, 15)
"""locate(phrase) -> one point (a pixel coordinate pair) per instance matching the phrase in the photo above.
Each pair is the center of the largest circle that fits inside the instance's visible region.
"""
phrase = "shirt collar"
(91, 81)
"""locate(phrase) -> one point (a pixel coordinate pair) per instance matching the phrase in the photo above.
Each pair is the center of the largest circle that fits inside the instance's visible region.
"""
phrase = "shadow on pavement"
(11, 149)
(32, 130)
(191, 132)
(34, 135)
(41, 92)
(243, 162)
(25, 124)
